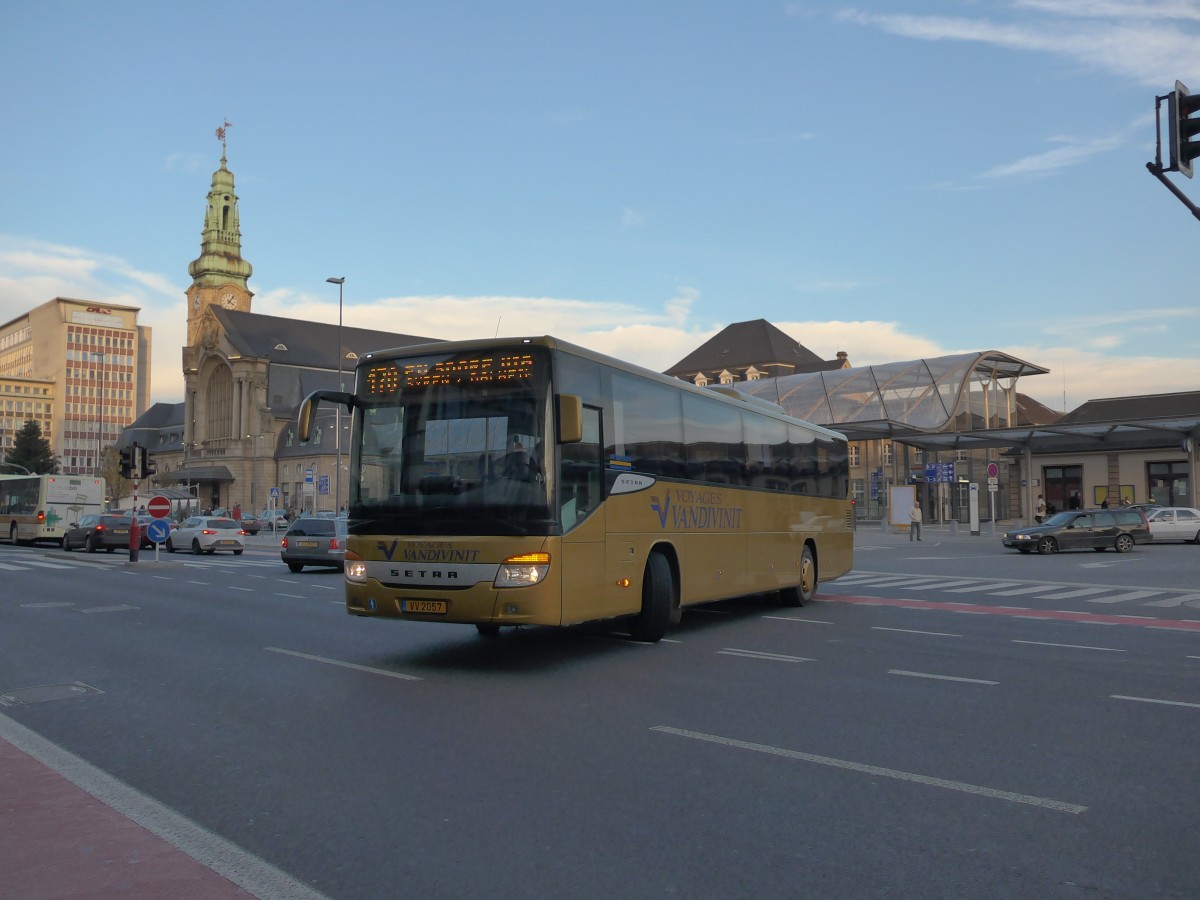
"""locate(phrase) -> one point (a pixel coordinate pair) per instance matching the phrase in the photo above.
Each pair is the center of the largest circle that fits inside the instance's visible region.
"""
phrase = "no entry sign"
(159, 507)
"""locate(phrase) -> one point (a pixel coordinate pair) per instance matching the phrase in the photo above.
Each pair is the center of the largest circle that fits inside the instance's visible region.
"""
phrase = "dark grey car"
(314, 542)
(98, 532)
(1083, 529)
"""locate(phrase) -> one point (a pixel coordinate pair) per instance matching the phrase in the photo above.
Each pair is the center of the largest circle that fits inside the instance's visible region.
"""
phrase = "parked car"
(1081, 529)
(99, 531)
(280, 519)
(1175, 523)
(208, 534)
(250, 523)
(313, 541)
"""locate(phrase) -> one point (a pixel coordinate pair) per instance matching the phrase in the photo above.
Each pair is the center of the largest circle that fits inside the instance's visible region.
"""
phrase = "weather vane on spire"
(221, 134)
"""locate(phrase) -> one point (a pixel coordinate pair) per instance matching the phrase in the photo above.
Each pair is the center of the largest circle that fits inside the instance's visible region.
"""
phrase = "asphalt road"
(950, 720)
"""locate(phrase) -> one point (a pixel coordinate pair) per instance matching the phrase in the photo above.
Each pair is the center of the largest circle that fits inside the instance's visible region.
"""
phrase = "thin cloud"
(632, 217)
(1124, 43)
(1071, 153)
(1176, 9)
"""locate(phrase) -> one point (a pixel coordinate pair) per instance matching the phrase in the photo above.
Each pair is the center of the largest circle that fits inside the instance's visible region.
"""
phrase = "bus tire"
(807, 588)
(658, 598)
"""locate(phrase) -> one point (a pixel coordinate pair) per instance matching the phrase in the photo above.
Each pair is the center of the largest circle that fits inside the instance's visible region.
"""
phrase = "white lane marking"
(1028, 799)
(205, 583)
(1174, 601)
(1121, 598)
(939, 677)
(281, 594)
(1023, 590)
(234, 587)
(925, 583)
(914, 631)
(983, 589)
(120, 607)
(1153, 700)
(897, 582)
(346, 665)
(1069, 646)
(798, 619)
(41, 564)
(758, 654)
(1067, 595)
(247, 871)
(960, 583)
(6, 567)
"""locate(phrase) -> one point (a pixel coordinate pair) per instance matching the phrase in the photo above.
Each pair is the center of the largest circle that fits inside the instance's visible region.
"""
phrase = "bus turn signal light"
(522, 571)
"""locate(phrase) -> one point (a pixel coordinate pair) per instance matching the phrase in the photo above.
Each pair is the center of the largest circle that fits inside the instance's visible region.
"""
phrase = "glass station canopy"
(914, 397)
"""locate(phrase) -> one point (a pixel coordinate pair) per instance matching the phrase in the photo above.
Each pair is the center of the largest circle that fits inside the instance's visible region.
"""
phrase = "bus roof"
(720, 392)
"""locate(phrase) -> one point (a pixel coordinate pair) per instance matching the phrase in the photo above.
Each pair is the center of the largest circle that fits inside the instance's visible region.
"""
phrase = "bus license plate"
(424, 606)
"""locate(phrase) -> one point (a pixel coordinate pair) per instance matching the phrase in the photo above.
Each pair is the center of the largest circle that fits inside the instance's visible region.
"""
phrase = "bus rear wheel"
(807, 588)
(658, 599)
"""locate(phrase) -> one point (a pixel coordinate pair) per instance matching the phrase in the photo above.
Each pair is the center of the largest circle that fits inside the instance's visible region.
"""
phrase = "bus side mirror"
(308, 409)
(570, 418)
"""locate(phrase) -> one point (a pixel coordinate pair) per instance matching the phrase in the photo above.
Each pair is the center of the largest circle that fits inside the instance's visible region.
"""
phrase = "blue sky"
(893, 179)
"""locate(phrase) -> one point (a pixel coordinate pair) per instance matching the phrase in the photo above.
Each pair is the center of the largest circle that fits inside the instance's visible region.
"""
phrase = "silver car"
(208, 534)
(313, 541)
(1175, 523)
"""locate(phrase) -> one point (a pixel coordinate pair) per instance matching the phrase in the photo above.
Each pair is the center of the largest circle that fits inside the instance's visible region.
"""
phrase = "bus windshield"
(447, 442)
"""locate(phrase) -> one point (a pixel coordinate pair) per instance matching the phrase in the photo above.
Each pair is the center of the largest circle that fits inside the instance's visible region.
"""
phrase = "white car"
(208, 534)
(1174, 523)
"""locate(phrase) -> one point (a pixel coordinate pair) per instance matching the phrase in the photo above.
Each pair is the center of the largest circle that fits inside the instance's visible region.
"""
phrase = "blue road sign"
(323, 485)
(158, 531)
(274, 493)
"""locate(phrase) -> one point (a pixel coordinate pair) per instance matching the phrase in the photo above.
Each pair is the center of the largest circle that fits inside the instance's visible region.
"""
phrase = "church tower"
(219, 273)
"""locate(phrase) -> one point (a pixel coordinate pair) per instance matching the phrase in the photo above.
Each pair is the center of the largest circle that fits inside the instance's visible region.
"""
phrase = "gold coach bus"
(533, 482)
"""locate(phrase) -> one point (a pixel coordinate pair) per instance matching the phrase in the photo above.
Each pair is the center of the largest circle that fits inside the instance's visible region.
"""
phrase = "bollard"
(135, 539)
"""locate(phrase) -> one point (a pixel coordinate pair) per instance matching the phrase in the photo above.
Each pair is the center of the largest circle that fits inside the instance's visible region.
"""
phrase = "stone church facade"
(232, 440)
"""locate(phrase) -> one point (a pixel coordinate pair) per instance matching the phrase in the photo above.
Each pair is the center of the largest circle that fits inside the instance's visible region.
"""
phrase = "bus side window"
(580, 477)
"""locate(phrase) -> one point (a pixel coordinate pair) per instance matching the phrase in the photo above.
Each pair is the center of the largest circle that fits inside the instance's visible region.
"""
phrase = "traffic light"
(149, 467)
(127, 461)
(1183, 110)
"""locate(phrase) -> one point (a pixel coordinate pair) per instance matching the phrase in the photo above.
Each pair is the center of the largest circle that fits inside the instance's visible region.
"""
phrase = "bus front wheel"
(807, 588)
(658, 599)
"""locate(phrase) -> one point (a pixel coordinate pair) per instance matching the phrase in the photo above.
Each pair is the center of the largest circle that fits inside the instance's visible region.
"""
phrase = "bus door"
(580, 484)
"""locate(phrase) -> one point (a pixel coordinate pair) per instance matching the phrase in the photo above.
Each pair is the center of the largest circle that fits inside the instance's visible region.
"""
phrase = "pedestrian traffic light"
(127, 461)
(1183, 111)
(149, 467)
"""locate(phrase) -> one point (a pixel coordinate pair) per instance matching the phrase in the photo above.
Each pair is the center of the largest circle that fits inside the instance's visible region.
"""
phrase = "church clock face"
(196, 301)
(228, 301)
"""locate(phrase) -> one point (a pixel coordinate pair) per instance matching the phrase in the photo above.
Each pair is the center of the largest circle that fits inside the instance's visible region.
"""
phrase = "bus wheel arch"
(806, 589)
(660, 597)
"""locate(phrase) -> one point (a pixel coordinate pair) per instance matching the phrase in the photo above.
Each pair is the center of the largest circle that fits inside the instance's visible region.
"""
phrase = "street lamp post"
(337, 480)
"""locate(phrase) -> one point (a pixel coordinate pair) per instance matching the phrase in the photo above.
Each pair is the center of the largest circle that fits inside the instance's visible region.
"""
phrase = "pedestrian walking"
(914, 519)
(1041, 509)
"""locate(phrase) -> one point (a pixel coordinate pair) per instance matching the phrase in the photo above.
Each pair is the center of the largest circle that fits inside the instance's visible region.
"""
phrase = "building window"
(219, 401)
(855, 455)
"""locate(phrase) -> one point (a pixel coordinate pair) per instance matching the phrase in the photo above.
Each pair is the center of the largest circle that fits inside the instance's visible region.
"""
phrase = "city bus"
(42, 507)
(532, 482)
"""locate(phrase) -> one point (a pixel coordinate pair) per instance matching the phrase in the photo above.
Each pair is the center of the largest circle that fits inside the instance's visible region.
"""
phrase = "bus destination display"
(387, 378)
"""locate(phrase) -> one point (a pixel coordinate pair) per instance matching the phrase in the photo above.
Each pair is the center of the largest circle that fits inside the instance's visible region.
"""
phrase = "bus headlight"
(522, 571)
(355, 567)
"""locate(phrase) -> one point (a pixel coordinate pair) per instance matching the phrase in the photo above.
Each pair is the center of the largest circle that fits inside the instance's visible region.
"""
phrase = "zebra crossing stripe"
(1121, 598)
(1068, 595)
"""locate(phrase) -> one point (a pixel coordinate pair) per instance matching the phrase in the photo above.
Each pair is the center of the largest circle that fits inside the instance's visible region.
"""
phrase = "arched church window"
(219, 404)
